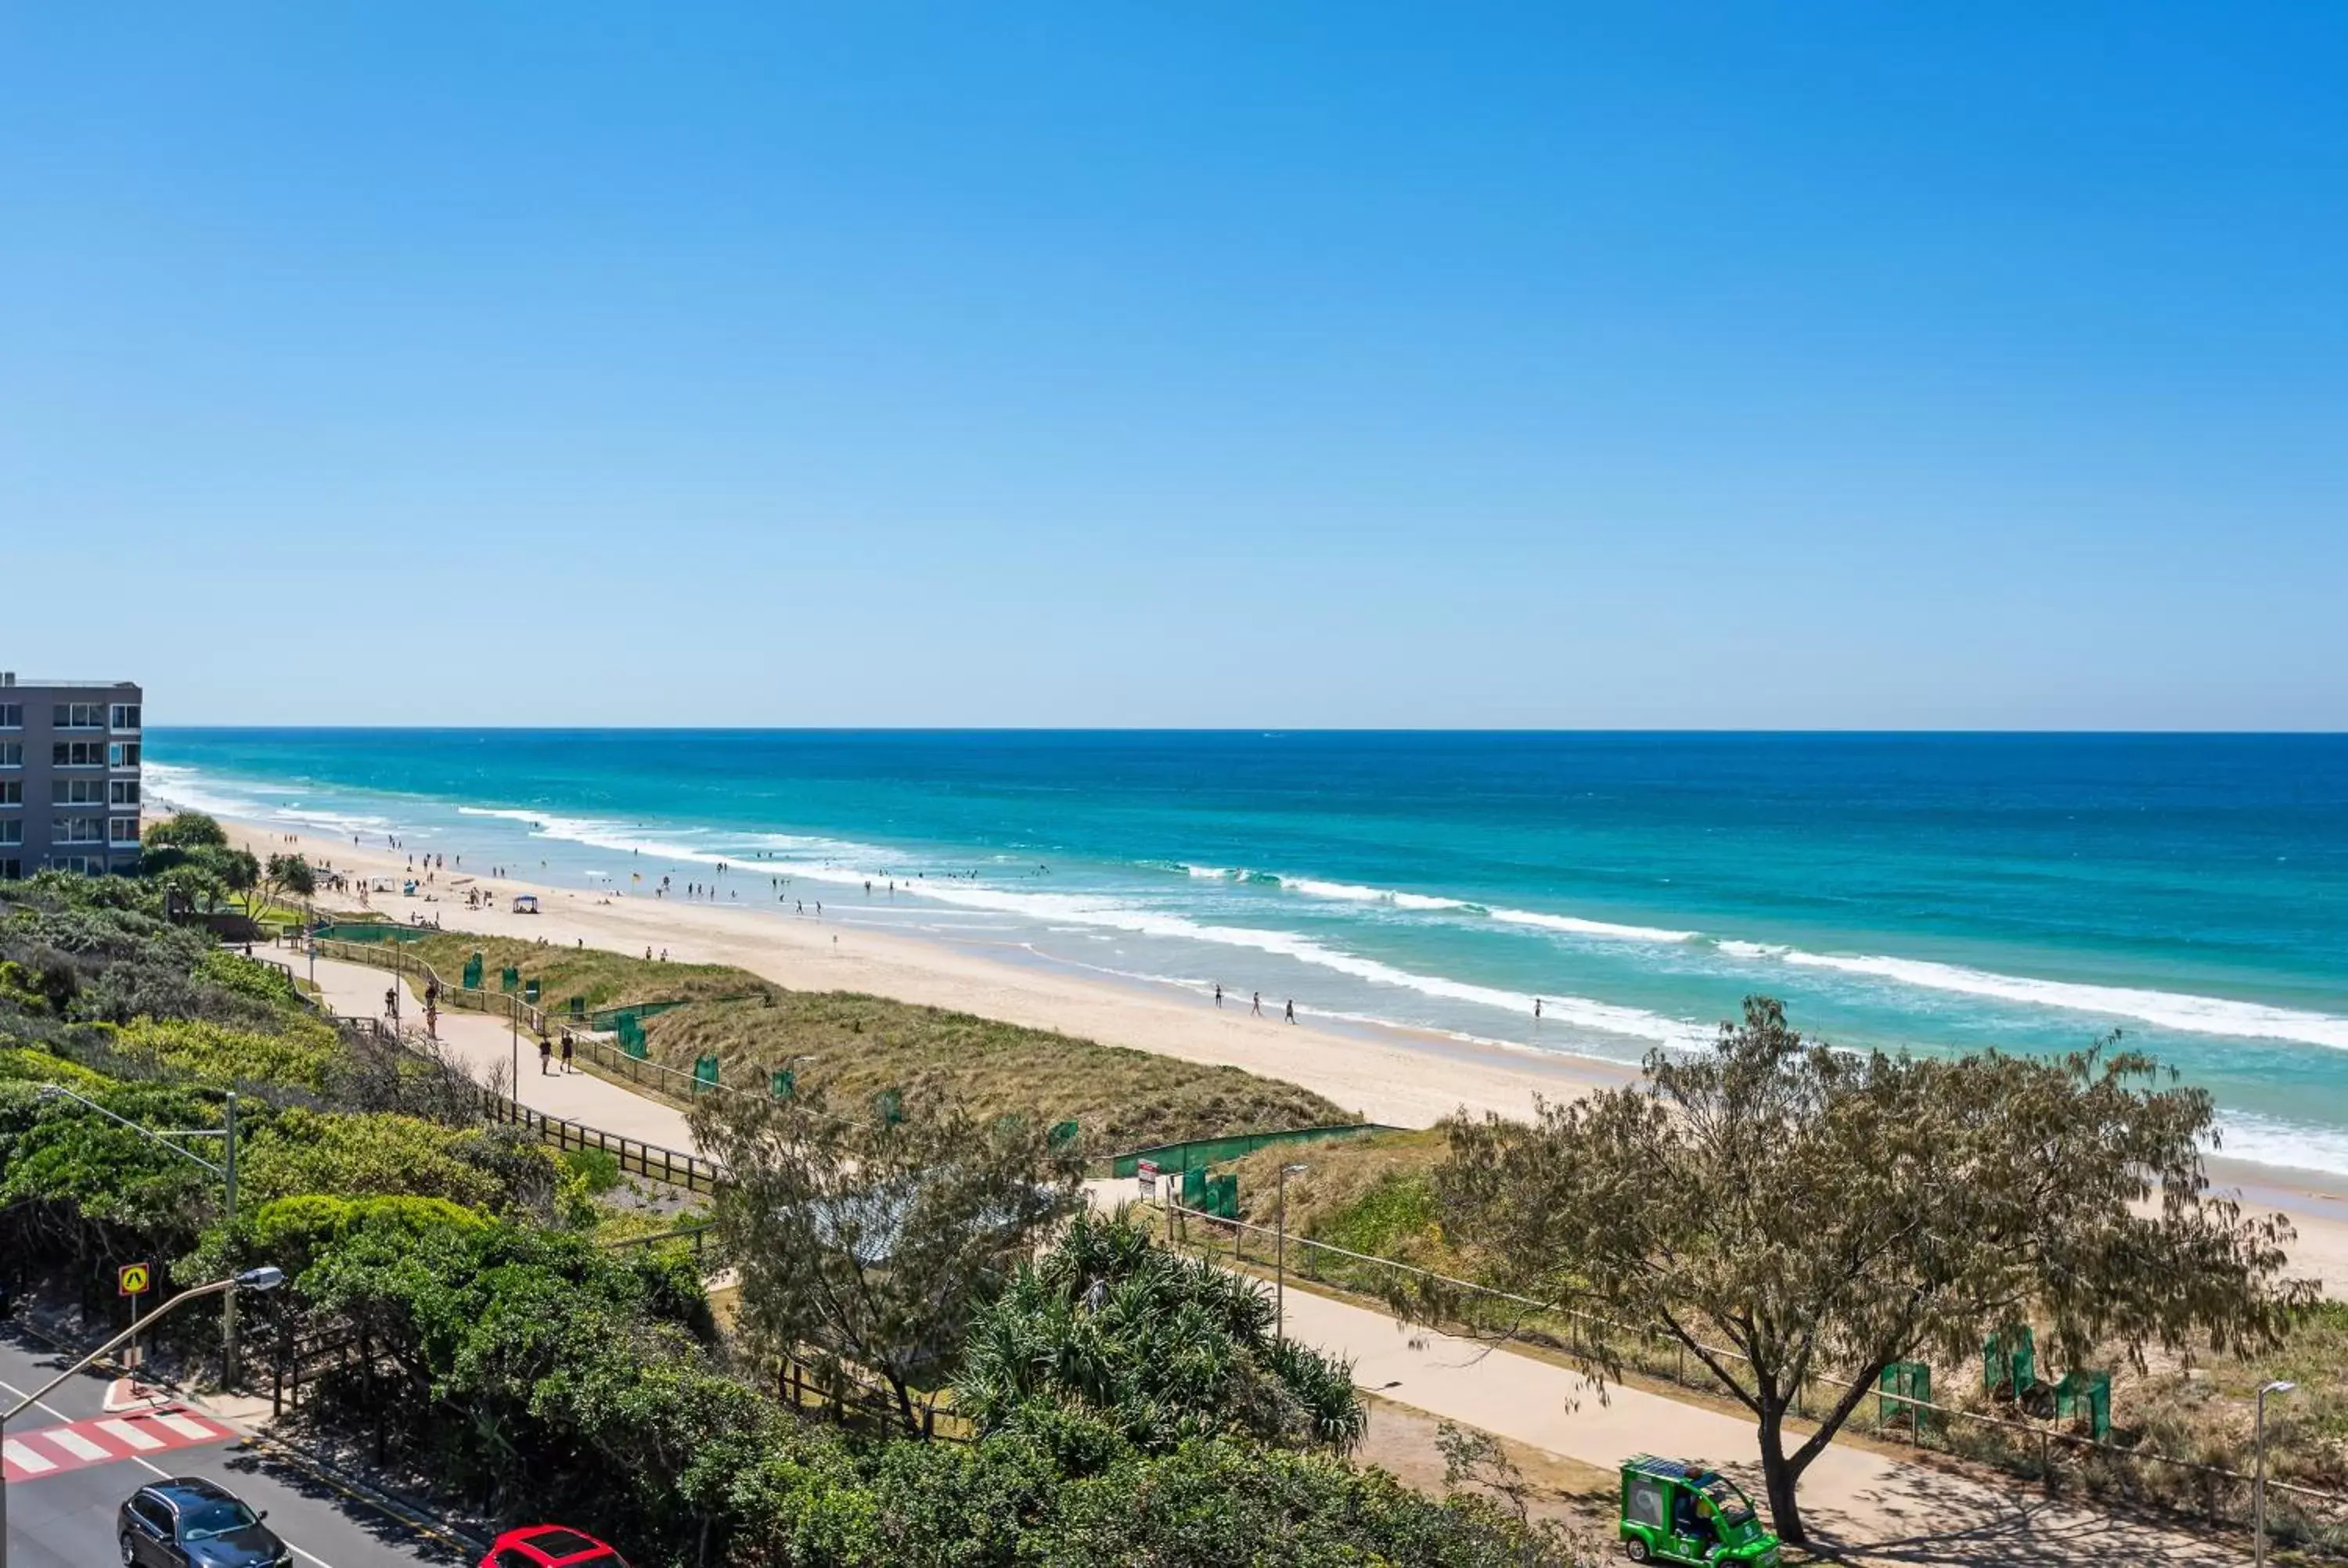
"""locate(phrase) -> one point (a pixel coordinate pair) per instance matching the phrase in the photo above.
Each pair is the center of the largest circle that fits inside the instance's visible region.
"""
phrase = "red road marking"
(105, 1439)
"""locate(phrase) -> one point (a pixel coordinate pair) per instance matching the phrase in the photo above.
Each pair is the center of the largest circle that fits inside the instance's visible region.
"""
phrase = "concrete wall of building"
(102, 774)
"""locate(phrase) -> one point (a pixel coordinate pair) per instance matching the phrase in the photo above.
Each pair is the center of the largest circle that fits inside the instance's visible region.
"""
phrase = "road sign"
(1147, 1171)
(134, 1280)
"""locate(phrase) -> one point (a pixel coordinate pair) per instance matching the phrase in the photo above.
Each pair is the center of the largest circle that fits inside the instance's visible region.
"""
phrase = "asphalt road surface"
(64, 1516)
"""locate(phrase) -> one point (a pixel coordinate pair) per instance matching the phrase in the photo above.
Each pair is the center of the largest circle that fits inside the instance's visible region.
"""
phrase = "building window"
(122, 791)
(12, 792)
(123, 716)
(123, 754)
(80, 716)
(77, 830)
(122, 830)
(12, 832)
(12, 871)
(12, 754)
(76, 792)
(12, 715)
(77, 754)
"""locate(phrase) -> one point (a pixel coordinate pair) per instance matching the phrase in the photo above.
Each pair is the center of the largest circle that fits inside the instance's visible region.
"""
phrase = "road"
(64, 1516)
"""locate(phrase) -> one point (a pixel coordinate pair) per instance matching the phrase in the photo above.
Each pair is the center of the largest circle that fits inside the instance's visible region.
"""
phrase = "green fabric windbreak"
(618, 1018)
(1199, 1152)
(371, 931)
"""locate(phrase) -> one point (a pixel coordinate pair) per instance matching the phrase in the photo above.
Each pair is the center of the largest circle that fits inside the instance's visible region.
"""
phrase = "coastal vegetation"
(854, 1046)
(465, 1322)
(1796, 1221)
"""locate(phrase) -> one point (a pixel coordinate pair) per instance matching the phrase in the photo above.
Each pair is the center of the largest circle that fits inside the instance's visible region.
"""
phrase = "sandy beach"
(1387, 1075)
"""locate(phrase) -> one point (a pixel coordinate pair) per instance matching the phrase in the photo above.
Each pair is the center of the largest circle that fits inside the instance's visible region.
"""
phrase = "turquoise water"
(1930, 891)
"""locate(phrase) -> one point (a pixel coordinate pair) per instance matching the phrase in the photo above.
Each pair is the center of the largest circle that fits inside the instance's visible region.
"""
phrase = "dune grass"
(854, 1046)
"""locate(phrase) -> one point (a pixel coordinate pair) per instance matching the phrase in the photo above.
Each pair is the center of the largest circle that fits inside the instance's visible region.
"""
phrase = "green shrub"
(302, 1054)
(383, 1155)
(246, 976)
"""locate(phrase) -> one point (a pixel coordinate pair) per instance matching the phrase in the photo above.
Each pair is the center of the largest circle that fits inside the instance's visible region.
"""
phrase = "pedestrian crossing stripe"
(52, 1451)
(23, 1458)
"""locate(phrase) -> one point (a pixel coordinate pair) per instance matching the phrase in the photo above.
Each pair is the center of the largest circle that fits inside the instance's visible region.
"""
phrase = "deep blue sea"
(1938, 892)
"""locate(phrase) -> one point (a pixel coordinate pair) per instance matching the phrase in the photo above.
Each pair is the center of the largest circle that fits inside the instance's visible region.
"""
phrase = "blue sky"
(1555, 365)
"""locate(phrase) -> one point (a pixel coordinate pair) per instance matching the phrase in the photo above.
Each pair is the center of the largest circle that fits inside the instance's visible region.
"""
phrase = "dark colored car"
(549, 1546)
(192, 1523)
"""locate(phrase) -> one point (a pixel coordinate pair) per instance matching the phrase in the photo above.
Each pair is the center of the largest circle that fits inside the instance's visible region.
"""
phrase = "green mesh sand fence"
(1199, 1152)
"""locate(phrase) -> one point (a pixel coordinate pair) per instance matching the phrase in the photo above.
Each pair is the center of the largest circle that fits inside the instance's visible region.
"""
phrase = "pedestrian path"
(487, 1045)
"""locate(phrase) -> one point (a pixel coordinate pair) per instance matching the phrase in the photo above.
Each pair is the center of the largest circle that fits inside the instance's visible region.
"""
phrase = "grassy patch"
(858, 1045)
(604, 978)
(1368, 1194)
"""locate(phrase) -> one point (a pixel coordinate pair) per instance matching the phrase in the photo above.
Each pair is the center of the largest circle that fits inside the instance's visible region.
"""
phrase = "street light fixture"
(268, 1277)
(2259, 1505)
(1280, 1257)
(225, 1169)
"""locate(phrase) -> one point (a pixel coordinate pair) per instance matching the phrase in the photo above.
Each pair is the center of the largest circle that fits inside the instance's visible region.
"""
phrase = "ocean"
(1937, 892)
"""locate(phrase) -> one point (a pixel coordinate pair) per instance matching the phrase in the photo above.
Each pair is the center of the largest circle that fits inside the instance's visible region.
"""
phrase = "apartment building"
(68, 776)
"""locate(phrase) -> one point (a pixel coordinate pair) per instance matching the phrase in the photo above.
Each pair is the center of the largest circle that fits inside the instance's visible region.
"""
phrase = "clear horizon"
(1531, 367)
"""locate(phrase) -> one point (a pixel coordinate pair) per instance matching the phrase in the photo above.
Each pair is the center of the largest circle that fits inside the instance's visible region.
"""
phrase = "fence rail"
(654, 1162)
(2218, 1495)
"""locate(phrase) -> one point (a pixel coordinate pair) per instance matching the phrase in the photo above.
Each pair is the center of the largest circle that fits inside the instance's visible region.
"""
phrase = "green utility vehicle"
(1681, 1510)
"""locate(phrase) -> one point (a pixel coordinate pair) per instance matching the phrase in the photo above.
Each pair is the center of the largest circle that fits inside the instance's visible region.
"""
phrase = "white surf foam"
(2179, 1010)
(1110, 914)
(1578, 927)
(185, 789)
(2267, 1141)
(1571, 925)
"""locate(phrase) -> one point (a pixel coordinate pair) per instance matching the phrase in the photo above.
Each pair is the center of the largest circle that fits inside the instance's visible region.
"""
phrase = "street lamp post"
(266, 1277)
(225, 1171)
(2258, 1494)
(1280, 1256)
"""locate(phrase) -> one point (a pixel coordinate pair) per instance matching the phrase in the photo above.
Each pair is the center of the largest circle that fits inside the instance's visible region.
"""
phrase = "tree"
(185, 830)
(1824, 1214)
(289, 874)
(866, 1242)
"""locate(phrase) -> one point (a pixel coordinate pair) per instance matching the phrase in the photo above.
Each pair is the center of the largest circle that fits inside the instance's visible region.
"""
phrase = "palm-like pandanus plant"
(1160, 1346)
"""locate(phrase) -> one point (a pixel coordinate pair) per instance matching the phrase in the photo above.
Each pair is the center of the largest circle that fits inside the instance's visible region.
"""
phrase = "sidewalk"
(485, 1044)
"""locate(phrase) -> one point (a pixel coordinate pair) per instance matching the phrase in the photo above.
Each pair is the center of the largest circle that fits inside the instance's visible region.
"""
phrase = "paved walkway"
(1874, 1509)
(486, 1045)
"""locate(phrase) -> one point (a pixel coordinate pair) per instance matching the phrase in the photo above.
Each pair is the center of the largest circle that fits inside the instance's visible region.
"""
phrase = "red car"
(548, 1545)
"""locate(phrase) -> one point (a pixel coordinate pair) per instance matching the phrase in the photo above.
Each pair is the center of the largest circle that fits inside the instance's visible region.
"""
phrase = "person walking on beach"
(1219, 993)
(1292, 1009)
(1257, 1009)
